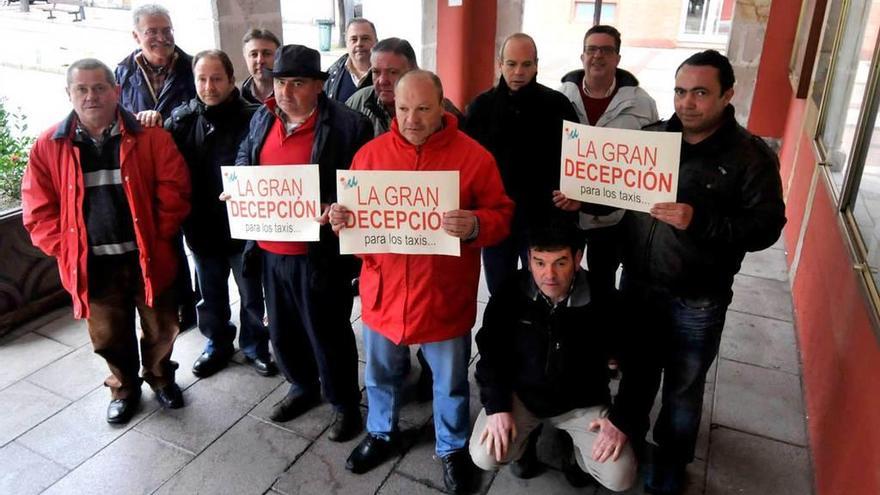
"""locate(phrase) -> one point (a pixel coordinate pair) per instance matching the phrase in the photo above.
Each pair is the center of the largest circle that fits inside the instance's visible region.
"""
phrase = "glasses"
(604, 50)
(154, 33)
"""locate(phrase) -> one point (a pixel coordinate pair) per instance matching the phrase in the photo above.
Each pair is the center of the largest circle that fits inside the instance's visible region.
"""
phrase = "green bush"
(14, 148)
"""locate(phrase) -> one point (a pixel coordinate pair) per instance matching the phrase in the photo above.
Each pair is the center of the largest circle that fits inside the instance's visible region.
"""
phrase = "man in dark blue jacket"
(308, 284)
(153, 80)
(208, 130)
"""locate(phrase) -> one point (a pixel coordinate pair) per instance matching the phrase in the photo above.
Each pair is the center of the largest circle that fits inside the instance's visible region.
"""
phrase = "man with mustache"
(153, 80)
(604, 95)
(351, 71)
(259, 46)
(208, 130)
(679, 261)
(520, 122)
(106, 197)
(308, 284)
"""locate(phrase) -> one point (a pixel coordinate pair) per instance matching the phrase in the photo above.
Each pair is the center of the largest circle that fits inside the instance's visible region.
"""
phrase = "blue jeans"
(682, 336)
(213, 310)
(386, 370)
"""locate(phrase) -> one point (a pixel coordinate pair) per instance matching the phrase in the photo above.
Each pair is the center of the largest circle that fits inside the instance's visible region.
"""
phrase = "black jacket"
(554, 359)
(337, 71)
(135, 94)
(731, 179)
(339, 133)
(523, 131)
(208, 138)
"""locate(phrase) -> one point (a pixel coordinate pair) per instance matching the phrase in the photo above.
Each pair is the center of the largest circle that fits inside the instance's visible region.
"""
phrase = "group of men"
(108, 193)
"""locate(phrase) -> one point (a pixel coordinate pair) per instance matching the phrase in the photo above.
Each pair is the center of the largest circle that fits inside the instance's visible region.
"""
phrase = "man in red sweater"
(426, 299)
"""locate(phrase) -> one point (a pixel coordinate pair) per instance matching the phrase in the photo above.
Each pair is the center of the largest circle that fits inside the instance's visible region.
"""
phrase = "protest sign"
(273, 203)
(619, 167)
(397, 211)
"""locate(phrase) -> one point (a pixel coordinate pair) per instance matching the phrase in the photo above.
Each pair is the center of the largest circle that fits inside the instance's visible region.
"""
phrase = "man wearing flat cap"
(308, 284)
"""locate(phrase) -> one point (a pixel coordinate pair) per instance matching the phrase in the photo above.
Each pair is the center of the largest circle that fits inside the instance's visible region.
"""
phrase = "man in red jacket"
(106, 197)
(426, 299)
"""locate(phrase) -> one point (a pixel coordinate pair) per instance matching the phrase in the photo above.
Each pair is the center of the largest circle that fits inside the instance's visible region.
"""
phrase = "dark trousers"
(603, 258)
(500, 262)
(116, 290)
(311, 330)
(212, 272)
(681, 337)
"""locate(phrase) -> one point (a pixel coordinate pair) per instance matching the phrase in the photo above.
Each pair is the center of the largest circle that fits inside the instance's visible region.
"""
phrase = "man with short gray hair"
(105, 196)
(259, 46)
(153, 80)
(352, 70)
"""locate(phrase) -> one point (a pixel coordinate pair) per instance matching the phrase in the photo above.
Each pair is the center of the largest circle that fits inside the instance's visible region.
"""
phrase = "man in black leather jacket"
(208, 130)
(679, 260)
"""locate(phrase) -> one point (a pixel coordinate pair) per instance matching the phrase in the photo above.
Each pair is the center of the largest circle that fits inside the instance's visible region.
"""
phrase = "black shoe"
(292, 406)
(170, 396)
(527, 466)
(355, 287)
(665, 478)
(573, 473)
(371, 452)
(209, 363)
(425, 385)
(346, 426)
(457, 472)
(121, 410)
(263, 367)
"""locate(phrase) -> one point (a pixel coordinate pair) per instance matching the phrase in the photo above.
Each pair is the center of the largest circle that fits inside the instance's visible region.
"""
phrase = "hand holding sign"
(459, 223)
(679, 215)
(563, 203)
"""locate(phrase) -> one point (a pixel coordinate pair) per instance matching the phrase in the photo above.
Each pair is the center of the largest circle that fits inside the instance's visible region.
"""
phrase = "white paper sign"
(397, 211)
(619, 167)
(273, 202)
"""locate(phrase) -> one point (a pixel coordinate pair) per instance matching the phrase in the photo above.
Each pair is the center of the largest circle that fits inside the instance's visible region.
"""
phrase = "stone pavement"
(53, 437)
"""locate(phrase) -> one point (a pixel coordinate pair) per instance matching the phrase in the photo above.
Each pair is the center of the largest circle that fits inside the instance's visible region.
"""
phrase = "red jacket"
(156, 184)
(425, 298)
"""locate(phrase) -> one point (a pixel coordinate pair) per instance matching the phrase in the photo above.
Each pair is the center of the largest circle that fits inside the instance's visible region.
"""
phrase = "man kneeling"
(544, 350)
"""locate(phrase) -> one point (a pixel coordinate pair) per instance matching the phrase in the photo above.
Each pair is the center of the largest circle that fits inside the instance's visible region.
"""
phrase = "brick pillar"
(466, 42)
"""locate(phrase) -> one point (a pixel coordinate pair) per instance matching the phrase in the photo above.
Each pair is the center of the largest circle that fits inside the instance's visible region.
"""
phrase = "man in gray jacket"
(605, 96)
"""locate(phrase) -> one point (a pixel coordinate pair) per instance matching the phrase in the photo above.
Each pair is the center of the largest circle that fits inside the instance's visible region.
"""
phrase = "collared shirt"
(155, 75)
(290, 126)
(82, 135)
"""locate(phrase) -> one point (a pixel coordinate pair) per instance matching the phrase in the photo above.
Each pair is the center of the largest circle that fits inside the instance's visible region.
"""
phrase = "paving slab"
(23, 406)
(769, 263)
(206, 416)
(760, 401)
(25, 472)
(550, 481)
(135, 463)
(745, 464)
(401, 485)
(762, 297)
(80, 430)
(39, 321)
(321, 470)
(309, 425)
(66, 330)
(27, 354)
(74, 375)
(422, 464)
(760, 341)
(246, 459)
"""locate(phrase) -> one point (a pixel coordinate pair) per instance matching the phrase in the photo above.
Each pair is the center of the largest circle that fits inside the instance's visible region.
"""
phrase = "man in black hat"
(308, 284)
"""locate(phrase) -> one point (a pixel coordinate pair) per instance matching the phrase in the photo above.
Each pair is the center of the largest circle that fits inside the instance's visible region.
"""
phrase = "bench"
(74, 8)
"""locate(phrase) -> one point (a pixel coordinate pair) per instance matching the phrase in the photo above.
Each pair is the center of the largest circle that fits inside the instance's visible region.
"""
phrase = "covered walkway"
(53, 437)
